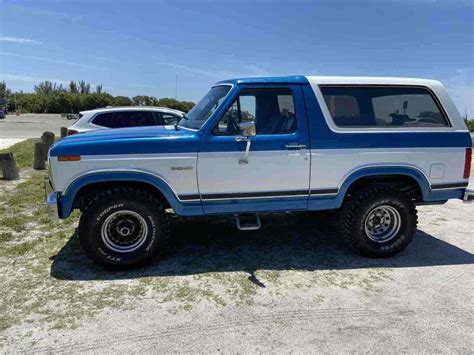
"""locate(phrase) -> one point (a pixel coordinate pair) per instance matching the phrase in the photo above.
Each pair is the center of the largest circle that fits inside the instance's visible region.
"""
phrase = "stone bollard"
(63, 132)
(41, 152)
(9, 168)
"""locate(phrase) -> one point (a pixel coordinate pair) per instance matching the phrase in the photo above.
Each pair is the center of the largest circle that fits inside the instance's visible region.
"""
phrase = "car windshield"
(205, 107)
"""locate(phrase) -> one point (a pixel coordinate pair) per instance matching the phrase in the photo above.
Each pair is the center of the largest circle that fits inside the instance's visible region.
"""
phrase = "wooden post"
(9, 168)
(63, 132)
(41, 152)
(48, 139)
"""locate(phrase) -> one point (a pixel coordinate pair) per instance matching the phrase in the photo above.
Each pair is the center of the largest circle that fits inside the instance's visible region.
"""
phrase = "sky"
(139, 47)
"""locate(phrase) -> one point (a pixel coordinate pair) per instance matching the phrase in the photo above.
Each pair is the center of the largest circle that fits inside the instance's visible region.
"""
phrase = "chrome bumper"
(468, 195)
(51, 200)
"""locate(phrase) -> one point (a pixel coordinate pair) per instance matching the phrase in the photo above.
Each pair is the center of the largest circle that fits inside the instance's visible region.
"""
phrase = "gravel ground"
(288, 287)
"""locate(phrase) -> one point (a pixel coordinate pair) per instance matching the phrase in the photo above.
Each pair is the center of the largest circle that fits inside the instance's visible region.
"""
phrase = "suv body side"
(200, 173)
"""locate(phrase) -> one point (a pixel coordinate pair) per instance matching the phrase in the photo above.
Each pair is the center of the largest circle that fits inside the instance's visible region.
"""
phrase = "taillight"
(467, 163)
(70, 132)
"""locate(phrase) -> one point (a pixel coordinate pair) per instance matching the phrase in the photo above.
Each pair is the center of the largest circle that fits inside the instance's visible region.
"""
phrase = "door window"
(272, 110)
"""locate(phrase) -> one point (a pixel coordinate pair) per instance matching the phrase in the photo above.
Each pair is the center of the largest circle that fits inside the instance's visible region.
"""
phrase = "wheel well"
(404, 183)
(88, 191)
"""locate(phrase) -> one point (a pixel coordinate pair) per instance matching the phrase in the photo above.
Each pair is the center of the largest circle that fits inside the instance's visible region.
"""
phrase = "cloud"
(19, 40)
(49, 60)
(251, 70)
(142, 86)
(31, 78)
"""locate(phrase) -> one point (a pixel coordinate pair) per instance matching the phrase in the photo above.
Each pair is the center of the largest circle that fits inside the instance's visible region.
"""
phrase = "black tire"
(354, 222)
(110, 214)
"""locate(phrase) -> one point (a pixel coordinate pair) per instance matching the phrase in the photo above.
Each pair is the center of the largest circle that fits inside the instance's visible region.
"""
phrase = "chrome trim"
(468, 196)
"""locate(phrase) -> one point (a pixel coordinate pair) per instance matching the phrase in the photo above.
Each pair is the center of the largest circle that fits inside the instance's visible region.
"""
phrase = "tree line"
(49, 97)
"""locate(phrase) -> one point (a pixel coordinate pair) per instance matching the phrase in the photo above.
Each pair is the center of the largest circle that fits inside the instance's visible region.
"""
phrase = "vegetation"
(23, 152)
(49, 97)
(470, 125)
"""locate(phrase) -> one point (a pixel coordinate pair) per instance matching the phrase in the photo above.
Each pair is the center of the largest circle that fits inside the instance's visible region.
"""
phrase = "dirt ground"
(288, 287)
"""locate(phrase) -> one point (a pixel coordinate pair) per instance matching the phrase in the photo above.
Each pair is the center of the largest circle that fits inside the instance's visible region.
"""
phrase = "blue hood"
(136, 140)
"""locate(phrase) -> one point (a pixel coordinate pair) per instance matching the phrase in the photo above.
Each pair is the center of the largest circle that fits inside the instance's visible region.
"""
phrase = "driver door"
(275, 173)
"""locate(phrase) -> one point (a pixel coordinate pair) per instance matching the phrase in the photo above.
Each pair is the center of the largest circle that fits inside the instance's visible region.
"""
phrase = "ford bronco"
(368, 149)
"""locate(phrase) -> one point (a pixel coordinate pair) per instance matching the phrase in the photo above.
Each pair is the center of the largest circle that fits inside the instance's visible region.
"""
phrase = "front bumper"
(51, 200)
(468, 195)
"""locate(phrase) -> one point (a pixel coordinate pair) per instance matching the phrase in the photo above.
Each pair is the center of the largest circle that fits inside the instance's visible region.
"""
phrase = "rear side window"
(121, 119)
(386, 107)
(104, 119)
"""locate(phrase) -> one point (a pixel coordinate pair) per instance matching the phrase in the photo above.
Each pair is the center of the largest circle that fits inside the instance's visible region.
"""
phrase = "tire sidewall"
(403, 236)
(111, 257)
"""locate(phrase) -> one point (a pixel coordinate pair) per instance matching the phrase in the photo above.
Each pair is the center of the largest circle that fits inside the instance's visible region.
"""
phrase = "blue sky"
(138, 47)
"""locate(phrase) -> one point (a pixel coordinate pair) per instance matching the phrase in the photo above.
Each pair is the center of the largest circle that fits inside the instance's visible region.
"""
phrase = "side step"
(248, 222)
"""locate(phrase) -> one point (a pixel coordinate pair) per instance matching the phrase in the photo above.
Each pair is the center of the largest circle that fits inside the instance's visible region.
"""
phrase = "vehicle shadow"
(285, 242)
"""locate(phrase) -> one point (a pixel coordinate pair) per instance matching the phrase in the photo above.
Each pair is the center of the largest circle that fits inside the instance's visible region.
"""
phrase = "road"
(31, 125)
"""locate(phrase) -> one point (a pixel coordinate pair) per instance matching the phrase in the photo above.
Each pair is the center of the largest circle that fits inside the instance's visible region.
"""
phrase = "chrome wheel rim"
(382, 224)
(124, 231)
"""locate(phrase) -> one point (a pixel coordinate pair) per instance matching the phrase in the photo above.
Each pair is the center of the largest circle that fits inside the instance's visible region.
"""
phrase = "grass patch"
(23, 152)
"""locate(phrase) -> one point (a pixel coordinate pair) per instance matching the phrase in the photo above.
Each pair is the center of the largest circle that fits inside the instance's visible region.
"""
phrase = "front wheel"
(123, 227)
(378, 221)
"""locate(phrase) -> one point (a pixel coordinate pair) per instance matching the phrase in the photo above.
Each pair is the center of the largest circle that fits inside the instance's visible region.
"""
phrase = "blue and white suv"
(369, 149)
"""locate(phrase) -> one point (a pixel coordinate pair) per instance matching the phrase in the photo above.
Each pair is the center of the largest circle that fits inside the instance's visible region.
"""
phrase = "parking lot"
(31, 125)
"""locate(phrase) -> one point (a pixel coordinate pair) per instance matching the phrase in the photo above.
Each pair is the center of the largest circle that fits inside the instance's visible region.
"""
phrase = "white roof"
(322, 80)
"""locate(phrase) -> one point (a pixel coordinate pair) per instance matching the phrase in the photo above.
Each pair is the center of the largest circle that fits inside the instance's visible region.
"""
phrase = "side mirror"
(248, 129)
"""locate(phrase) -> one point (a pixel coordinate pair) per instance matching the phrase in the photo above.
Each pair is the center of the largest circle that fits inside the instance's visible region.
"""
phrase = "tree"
(84, 88)
(122, 101)
(73, 87)
(99, 89)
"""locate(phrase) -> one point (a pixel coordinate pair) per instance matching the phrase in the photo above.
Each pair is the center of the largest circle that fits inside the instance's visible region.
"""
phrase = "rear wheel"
(378, 221)
(123, 227)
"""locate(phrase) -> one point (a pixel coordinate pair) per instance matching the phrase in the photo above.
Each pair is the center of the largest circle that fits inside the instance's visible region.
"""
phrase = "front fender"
(66, 200)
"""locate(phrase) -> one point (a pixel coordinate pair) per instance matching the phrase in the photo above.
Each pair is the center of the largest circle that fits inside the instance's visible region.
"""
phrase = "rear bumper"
(468, 195)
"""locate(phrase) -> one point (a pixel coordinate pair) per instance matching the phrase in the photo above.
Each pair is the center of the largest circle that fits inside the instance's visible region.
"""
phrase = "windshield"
(205, 107)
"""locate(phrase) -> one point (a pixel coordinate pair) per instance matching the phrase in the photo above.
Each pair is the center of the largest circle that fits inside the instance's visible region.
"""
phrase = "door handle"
(295, 146)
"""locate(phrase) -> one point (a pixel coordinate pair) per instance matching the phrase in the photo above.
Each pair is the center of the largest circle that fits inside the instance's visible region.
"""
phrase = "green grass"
(23, 152)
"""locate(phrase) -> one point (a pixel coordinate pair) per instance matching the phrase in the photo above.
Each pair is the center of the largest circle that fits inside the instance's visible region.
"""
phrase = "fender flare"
(67, 198)
(364, 172)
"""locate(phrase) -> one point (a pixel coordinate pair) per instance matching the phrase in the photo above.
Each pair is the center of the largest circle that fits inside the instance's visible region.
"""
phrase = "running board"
(248, 226)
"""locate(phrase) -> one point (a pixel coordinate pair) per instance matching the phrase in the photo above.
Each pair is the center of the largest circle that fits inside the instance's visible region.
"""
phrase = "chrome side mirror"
(248, 129)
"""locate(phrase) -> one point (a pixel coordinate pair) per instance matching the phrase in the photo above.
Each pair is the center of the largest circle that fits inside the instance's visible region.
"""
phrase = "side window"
(138, 119)
(389, 107)
(272, 110)
(103, 119)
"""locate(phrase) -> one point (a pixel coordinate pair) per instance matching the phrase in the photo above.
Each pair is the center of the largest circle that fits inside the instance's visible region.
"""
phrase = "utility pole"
(176, 89)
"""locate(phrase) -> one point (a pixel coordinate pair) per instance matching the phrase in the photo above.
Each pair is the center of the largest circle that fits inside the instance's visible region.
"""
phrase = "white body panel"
(160, 165)
(278, 170)
(330, 167)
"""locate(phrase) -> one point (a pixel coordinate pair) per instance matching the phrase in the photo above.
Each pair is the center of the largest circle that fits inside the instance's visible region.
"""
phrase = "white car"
(120, 117)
